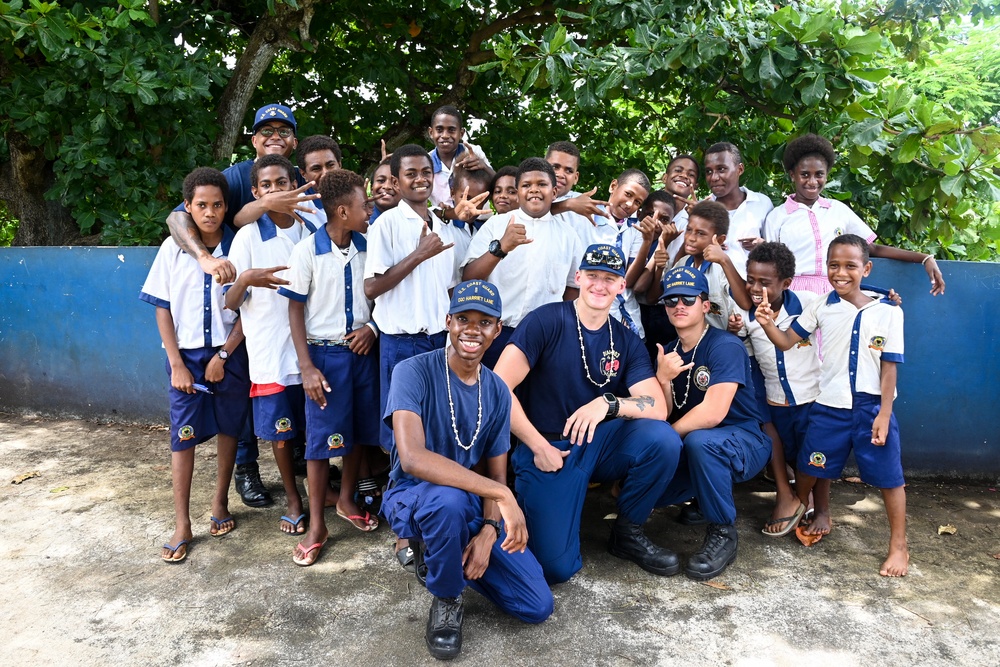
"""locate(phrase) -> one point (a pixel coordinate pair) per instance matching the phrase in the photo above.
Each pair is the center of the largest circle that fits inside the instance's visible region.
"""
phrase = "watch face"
(610, 398)
(223, 354)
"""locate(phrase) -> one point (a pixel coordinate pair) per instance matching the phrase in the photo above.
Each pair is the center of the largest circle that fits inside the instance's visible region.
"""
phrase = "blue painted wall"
(74, 338)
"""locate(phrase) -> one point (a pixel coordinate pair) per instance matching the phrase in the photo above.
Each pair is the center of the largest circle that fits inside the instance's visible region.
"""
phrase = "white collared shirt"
(718, 292)
(747, 221)
(855, 341)
(808, 231)
(790, 377)
(419, 303)
(680, 222)
(331, 284)
(628, 239)
(441, 190)
(261, 245)
(195, 301)
(535, 273)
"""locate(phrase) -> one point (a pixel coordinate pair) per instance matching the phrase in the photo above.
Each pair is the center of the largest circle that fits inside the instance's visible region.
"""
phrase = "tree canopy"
(104, 110)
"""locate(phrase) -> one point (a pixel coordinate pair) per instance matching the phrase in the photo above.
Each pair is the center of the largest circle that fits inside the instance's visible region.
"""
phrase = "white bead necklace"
(583, 351)
(687, 389)
(451, 404)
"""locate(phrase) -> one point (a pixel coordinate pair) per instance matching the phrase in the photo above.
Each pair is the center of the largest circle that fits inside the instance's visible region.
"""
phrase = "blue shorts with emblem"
(280, 416)
(352, 407)
(834, 432)
(197, 417)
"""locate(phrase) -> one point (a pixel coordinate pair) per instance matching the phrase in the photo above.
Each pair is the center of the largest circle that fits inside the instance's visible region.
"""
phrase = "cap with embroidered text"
(684, 281)
(603, 257)
(477, 295)
(270, 112)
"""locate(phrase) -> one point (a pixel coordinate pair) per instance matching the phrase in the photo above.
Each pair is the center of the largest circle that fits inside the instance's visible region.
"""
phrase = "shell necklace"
(583, 351)
(451, 404)
(687, 389)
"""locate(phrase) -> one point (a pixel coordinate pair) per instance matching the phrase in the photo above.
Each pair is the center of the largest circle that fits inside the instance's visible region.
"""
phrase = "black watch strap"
(496, 250)
(495, 524)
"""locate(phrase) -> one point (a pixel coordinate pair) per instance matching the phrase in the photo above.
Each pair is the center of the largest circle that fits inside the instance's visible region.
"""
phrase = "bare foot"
(820, 524)
(175, 550)
(783, 508)
(897, 564)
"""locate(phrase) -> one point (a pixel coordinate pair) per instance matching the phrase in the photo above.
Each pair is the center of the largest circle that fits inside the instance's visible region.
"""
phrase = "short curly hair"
(314, 144)
(535, 164)
(808, 145)
(266, 161)
(714, 212)
(204, 176)
(337, 187)
(776, 254)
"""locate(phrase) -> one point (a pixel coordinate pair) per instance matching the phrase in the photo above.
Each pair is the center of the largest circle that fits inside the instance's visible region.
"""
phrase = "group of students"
(667, 346)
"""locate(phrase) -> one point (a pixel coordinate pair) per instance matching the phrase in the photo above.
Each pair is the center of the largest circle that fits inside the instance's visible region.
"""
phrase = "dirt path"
(81, 579)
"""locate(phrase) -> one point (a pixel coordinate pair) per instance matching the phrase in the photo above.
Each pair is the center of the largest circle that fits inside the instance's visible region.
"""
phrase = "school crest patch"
(610, 363)
(877, 343)
(805, 342)
(716, 308)
(817, 459)
(185, 432)
(335, 441)
(702, 377)
(283, 425)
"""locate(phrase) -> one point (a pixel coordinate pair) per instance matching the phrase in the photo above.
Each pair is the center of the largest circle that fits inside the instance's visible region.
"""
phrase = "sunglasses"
(607, 259)
(283, 132)
(671, 301)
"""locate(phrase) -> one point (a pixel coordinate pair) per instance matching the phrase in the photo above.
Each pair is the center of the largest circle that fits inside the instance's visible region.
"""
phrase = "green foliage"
(8, 227)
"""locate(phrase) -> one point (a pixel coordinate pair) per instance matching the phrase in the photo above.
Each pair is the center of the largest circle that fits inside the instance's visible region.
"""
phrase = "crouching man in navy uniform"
(588, 407)
(706, 378)
(450, 418)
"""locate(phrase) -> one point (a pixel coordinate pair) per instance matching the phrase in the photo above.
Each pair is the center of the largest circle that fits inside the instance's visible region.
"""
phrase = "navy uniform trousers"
(643, 453)
(445, 519)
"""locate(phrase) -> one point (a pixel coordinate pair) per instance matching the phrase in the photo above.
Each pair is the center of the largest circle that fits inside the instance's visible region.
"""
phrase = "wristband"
(926, 258)
(372, 327)
(495, 524)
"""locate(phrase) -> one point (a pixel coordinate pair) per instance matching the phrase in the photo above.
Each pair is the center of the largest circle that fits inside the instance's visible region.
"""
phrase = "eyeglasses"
(671, 301)
(603, 258)
(268, 131)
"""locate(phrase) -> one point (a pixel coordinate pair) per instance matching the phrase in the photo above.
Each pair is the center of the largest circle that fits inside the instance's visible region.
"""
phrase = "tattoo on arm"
(641, 403)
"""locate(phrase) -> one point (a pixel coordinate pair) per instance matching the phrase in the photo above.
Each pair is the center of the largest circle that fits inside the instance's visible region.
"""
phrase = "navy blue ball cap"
(684, 281)
(477, 295)
(270, 112)
(603, 257)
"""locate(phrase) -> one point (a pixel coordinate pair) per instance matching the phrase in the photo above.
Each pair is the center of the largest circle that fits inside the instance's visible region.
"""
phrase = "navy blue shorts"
(352, 408)
(280, 416)
(792, 423)
(833, 432)
(197, 417)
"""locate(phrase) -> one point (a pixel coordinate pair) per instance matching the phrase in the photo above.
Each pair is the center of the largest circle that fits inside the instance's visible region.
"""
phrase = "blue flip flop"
(174, 548)
(218, 526)
(295, 524)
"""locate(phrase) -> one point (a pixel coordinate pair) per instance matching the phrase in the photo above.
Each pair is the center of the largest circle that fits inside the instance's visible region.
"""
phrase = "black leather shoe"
(419, 566)
(249, 486)
(715, 555)
(691, 515)
(444, 628)
(629, 542)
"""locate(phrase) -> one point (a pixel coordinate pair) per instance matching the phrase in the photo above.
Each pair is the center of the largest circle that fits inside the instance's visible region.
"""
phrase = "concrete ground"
(81, 579)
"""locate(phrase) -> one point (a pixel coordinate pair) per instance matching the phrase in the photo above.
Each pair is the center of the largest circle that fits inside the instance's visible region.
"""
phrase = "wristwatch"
(496, 250)
(495, 524)
(223, 354)
(613, 405)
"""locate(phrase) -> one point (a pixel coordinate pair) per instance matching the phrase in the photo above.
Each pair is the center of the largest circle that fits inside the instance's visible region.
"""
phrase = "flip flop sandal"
(371, 522)
(793, 522)
(295, 523)
(217, 525)
(174, 548)
(304, 560)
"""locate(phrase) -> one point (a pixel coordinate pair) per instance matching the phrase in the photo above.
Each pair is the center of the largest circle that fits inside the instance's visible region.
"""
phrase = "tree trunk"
(271, 34)
(23, 184)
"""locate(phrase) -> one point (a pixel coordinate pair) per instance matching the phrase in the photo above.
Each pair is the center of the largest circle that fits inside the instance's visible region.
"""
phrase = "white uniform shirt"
(681, 222)
(855, 340)
(317, 217)
(441, 190)
(535, 273)
(629, 240)
(261, 245)
(195, 301)
(718, 292)
(419, 303)
(791, 377)
(808, 231)
(331, 284)
(747, 221)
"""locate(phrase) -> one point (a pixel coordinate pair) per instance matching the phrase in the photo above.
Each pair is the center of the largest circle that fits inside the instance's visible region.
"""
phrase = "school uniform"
(642, 452)
(533, 274)
(626, 308)
(790, 378)
(278, 400)
(855, 342)
(330, 282)
(445, 518)
(441, 190)
(713, 459)
(202, 325)
(808, 232)
(411, 316)
(746, 221)
(719, 291)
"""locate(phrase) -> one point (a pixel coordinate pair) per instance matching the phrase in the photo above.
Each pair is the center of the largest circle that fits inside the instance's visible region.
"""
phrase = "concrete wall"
(74, 338)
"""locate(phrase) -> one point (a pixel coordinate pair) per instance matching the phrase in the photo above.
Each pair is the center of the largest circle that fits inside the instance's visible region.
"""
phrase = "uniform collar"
(436, 161)
(268, 230)
(790, 303)
(324, 243)
(834, 298)
(227, 240)
(791, 206)
(706, 265)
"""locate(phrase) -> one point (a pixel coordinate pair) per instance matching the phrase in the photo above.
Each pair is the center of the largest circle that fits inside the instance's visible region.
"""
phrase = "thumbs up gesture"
(714, 251)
